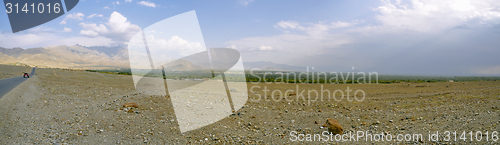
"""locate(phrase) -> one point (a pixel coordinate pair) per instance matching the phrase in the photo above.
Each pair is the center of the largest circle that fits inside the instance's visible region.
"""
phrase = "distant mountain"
(77, 57)
(101, 57)
(181, 65)
(110, 51)
(16, 52)
(270, 66)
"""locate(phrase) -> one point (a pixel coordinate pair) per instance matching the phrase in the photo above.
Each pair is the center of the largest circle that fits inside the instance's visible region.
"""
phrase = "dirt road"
(6, 85)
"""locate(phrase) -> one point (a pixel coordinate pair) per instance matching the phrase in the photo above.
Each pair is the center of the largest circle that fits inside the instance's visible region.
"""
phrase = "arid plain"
(10, 71)
(75, 107)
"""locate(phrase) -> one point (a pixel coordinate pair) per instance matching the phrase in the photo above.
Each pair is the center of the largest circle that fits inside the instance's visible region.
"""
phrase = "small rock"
(233, 90)
(316, 122)
(131, 105)
(334, 126)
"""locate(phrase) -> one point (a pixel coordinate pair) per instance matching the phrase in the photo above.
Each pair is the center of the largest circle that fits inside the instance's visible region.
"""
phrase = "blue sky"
(220, 20)
(420, 37)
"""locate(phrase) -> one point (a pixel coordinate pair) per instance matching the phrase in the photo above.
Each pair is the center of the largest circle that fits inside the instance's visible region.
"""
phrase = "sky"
(412, 37)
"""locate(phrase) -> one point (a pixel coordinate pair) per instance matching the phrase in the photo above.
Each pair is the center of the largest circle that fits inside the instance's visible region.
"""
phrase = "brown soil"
(78, 107)
(10, 71)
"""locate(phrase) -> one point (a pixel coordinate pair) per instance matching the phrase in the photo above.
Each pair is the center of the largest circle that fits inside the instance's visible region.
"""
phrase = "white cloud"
(162, 50)
(308, 39)
(116, 31)
(432, 16)
(116, 3)
(296, 44)
(89, 33)
(287, 24)
(148, 4)
(10, 40)
(85, 41)
(313, 29)
(106, 7)
(265, 48)
(245, 2)
(67, 29)
(397, 19)
(488, 70)
(117, 28)
(94, 27)
(13, 40)
(91, 16)
(75, 16)
(340, 24)
(128, 1)
(174, 45)
(95, 15)
(41, 29)
(233, 47)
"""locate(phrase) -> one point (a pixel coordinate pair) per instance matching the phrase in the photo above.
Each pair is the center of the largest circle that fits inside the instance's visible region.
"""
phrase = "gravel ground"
(10, 71)
(75, 107)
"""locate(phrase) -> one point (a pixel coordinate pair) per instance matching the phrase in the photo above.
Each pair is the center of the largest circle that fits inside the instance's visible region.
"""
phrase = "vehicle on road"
(26, 75)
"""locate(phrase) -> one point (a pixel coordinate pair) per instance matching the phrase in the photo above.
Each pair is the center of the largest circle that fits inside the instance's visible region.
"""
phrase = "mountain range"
(74, 57)
(182, 65)
(103, 57)
(270, 66)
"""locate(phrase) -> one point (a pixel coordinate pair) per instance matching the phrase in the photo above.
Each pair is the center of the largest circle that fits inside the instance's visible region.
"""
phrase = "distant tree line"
(312, 78)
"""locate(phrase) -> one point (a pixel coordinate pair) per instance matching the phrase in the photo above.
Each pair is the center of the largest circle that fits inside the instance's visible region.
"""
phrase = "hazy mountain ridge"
(99, 57)
(182, 65)
(16, 52)
(76, 57)
(110, 51)
(270, 66)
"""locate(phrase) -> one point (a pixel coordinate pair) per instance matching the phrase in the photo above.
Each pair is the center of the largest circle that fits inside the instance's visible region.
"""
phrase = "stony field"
(10, 71)
(76, 107)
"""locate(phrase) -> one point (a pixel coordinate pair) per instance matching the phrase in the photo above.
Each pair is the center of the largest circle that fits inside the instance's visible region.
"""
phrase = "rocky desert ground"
(10, 71)
(76, 107)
